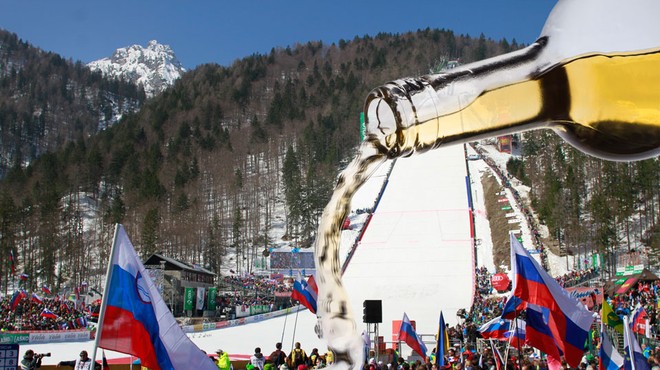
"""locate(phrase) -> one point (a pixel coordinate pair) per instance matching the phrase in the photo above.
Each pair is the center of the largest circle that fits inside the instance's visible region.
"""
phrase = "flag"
(512, 307)
(610, 358)
(366, 340)
(441, 342)
(610, 318)
(639, 321)
(23, 276)
(46, 290)
(495, 328)
(305, 293)
(105, 365)
(497, 356)
(569, 320)
(16, 299)
(36, 299)
(135, 320)
(48, 314)
(407, 334)
(538, 334)
(12, 261)
(81, 322)
(516, 336)
(633, 357)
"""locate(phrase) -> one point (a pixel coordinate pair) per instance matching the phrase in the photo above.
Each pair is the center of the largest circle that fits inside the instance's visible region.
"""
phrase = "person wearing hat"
(222, 361)
(30, 361)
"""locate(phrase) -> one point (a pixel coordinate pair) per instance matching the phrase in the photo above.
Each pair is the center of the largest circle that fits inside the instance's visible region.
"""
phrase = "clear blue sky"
(222, 31)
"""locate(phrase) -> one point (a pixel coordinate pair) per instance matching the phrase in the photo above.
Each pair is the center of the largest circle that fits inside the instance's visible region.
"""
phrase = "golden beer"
(607, 105)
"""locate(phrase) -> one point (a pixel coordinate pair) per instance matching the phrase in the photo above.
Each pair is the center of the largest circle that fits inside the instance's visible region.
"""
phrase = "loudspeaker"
(372, 311)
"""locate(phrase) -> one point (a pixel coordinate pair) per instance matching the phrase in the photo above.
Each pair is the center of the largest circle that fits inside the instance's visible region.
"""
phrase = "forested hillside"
(591, 205)
(47, 102)
(205, 167)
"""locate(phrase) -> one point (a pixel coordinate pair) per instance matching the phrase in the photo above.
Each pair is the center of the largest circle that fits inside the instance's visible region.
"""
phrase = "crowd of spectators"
(253, 290)
(48, 314)
(573, 278)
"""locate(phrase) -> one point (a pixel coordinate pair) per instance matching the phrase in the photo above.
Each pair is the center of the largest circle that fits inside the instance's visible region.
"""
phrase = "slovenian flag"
(23, 276)
(134, 318)
(569, 321)
(516, 336)
(16, 299)
(538, 335)
(497, 356)
(48, 314)
(512, 307)
(305, 292)
(407, 334)
(36, 299)
(46, 289)
(495, 328)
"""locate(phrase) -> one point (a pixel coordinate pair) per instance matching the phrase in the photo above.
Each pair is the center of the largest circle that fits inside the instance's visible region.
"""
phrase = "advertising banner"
(589, 296)
(14, 338)
(59, 336)
(213, 292)
(200, 299)
(500, 282)
(189, 299)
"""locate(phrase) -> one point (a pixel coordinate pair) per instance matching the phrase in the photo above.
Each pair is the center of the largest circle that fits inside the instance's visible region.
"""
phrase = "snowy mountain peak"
(154, 67)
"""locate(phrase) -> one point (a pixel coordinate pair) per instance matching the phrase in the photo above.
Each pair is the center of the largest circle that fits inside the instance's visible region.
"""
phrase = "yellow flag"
(610, 318)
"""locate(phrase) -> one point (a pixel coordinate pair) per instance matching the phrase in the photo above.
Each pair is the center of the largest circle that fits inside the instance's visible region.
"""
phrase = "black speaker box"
(372, 312)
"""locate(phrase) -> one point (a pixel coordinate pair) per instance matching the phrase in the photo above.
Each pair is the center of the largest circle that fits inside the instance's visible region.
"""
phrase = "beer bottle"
(591, 76)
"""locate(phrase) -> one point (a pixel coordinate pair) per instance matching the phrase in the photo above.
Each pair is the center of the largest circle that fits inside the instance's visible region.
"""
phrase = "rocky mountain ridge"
(154, 67)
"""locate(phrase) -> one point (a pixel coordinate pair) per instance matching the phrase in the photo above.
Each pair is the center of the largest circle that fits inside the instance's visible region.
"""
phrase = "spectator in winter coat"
(222, 361)
(258, 359)
(297, 356)
(82, 363)
(277, 357)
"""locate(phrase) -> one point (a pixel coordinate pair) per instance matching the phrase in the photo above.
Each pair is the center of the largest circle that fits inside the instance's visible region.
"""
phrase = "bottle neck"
(443, 105)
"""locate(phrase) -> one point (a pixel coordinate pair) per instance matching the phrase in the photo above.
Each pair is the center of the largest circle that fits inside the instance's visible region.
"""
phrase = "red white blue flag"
(46, 289)
(36, 299)
(136, 320)
(516, 336)
(407, 334)
(305, 292)
(569, 321)
(495, 328)
(48, 314)
(633, 358)
(497, 356)
(16, 299)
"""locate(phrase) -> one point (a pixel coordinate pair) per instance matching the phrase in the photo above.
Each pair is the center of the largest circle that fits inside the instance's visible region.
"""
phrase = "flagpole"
(295, 324)
(104, 298)
(285, 318)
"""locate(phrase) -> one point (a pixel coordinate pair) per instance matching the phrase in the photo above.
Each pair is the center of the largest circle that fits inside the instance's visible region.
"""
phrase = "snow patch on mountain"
(155, 67)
